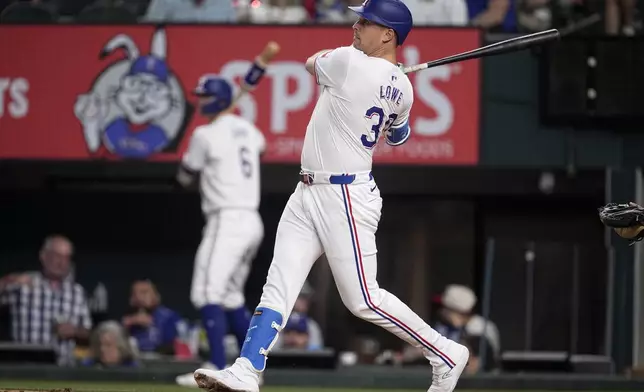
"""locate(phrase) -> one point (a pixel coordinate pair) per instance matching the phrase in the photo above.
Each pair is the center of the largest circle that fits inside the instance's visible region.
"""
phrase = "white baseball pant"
(231, 238)
(341, 221)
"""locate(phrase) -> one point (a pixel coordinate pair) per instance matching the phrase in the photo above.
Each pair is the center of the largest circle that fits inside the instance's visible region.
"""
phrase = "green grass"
(78, 386)
(140, 387)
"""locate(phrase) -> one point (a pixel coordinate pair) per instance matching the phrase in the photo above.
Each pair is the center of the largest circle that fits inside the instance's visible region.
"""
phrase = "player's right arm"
(330, 67)
(193, 160)
(14, 279)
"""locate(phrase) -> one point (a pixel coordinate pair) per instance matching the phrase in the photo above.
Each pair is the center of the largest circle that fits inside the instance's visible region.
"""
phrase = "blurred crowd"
(619, 17)
(50, 309)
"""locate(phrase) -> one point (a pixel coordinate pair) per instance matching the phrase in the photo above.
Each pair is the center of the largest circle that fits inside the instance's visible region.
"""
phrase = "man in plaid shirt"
(48, 307)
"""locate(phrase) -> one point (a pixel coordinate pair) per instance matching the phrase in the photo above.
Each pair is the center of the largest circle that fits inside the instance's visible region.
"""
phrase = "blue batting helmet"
(218, 89)
(389, 13)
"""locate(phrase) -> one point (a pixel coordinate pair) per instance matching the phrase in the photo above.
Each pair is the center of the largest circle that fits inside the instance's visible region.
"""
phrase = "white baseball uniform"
(227, 154)
(337, 210)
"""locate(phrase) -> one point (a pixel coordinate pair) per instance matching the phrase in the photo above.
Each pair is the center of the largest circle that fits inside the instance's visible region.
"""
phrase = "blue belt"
(337, 179)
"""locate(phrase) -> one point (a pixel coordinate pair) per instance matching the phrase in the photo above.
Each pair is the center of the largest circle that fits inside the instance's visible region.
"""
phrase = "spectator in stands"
(48, 307)
(153, 326)
(296, 334)
(303, 331)
(477, 362)
(457, 320)
(302, 306)
(109, 347)
(273, 11)
(207, 11)
(620, 15)
(493, 15)
(438, 12)
(332, 11)
(367, 349)
(534, 15)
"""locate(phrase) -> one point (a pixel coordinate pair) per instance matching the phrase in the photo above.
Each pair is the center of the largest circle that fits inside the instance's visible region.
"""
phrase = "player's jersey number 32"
(376, 128)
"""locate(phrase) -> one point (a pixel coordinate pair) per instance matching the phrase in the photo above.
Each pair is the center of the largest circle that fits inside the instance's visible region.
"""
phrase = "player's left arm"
(331, 67)
(193, 161)
(399, 131)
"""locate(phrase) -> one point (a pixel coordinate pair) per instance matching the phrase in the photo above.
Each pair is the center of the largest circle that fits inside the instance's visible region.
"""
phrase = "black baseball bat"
(507, 46)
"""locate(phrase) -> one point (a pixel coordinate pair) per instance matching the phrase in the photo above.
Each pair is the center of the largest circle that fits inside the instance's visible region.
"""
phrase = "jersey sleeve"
(400, 130)
(195, 157)
(403, 116)
(331, 68)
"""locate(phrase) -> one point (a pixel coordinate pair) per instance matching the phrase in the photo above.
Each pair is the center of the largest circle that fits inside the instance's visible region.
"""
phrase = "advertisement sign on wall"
(91, 92)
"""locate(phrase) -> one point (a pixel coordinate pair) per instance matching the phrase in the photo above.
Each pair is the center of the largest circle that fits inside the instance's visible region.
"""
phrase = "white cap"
(459, 298)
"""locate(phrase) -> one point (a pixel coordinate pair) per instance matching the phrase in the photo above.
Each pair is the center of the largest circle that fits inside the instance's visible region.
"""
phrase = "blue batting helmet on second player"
(218, 89)
(389, 13)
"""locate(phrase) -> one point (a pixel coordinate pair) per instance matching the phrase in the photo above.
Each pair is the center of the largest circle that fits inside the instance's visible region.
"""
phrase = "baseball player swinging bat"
(503, 47)
(336, 205)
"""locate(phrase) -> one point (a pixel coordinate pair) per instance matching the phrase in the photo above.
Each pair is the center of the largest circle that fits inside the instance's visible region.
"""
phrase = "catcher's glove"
(626, 219)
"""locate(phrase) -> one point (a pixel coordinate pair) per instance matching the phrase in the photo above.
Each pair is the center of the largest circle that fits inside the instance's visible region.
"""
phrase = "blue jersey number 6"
(375, 110)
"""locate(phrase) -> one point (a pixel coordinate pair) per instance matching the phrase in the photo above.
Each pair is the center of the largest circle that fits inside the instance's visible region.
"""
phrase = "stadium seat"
(25, 12)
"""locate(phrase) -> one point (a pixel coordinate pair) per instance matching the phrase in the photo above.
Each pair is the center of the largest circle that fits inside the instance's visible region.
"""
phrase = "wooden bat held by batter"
(255, 73)
(503, 47)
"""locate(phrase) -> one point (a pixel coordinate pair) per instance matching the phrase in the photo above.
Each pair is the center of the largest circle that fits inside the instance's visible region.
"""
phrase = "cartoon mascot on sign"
(136, 106)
